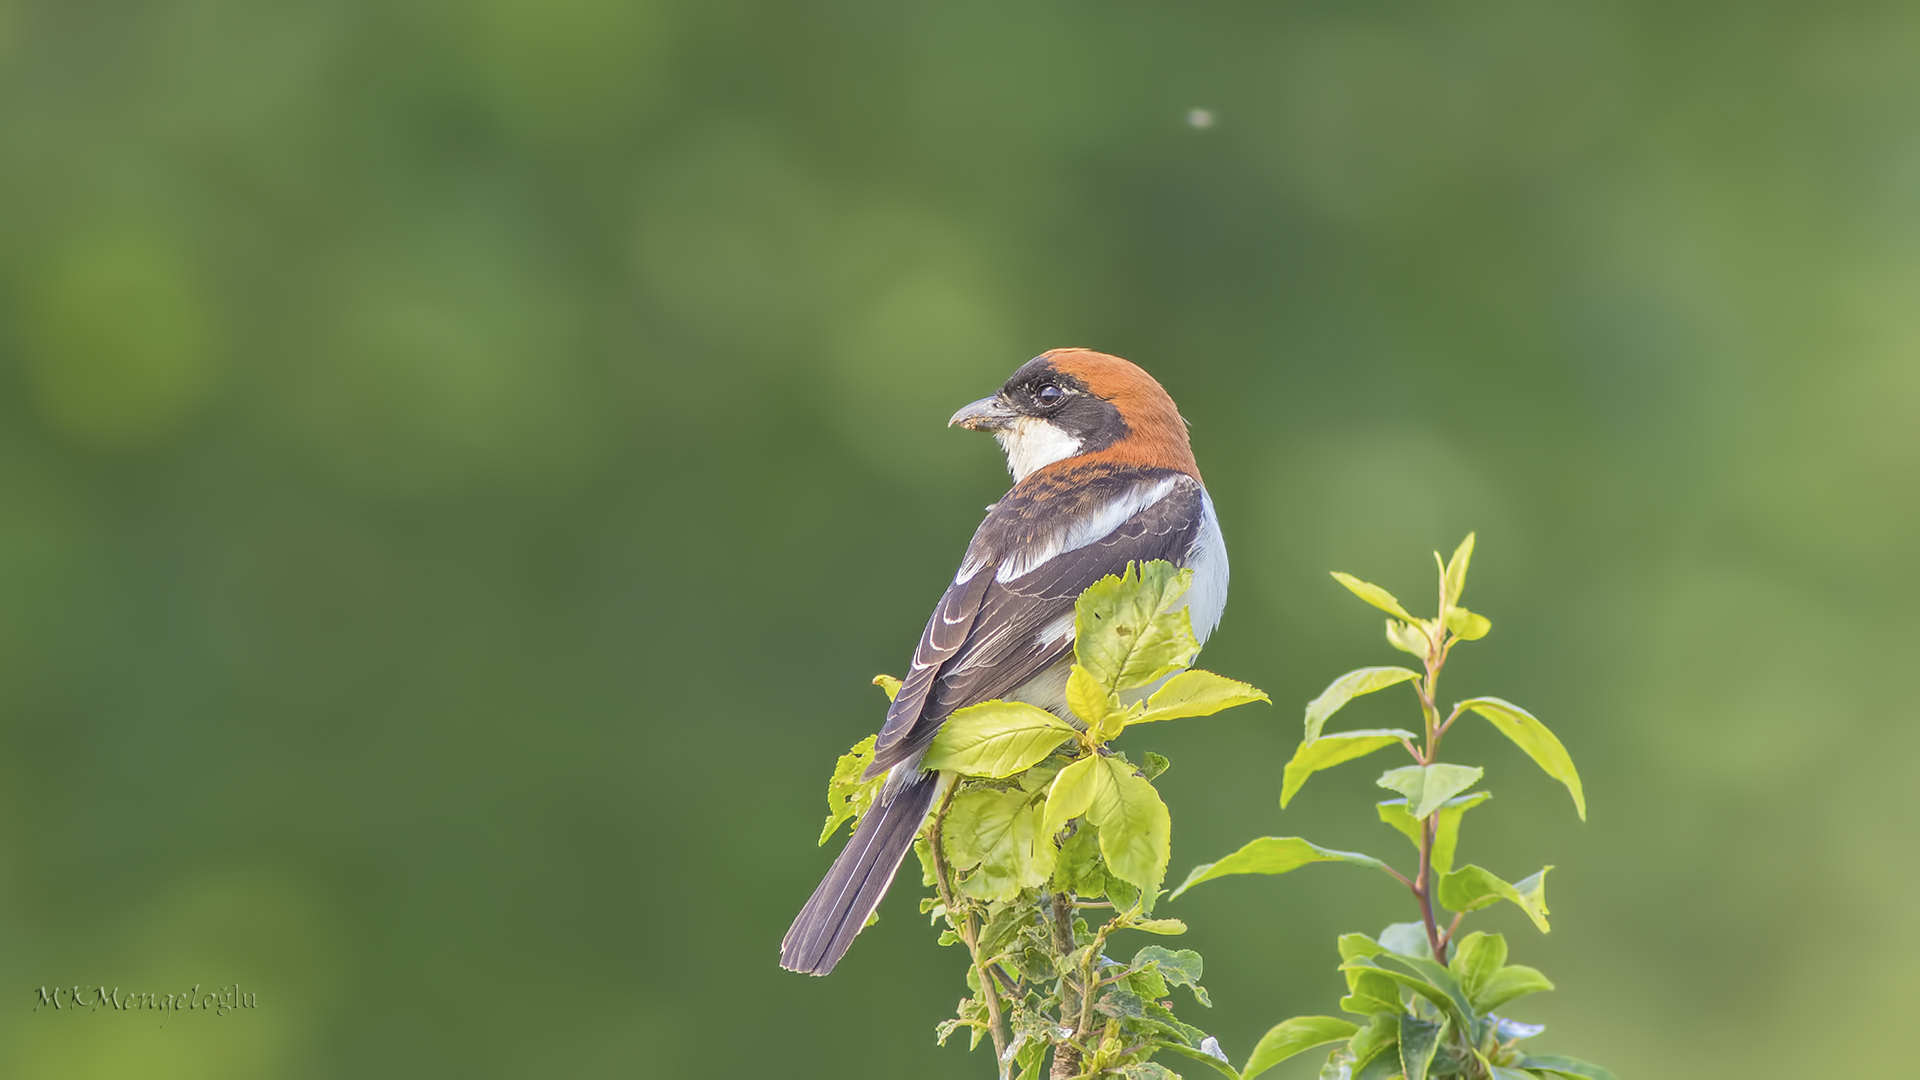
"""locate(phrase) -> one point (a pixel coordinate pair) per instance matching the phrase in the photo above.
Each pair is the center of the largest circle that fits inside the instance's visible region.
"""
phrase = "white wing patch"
(1086, 531)
(1060, 629)
(972, 565)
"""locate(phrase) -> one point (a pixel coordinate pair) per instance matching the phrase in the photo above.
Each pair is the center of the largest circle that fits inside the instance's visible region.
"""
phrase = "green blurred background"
(461, 461)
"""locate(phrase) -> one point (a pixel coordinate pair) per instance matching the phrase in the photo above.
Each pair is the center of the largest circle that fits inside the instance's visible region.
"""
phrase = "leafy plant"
(1048, 823)
(1426, 998)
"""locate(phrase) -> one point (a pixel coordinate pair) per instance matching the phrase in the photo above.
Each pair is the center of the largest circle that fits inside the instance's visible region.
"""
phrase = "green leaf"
(1295, 1036)
(1088, 699)
(1195, 693)
(1000, 834)
(1501, 1072)
(1030, 1054)
(1455, 1003)
(1428, 787)
(1531, 735)
(1347, 687)
(1072, 792)
(1272, 855)
(1145, 981)
(1408, 638)
(1382, 1030)
(1179, 967)
(1406, 939)
(1120, 635)
(1471, 888)
(1477, 958)
(996, 739)
(1510, 982)
(1122, 1005)
(1360, 946)
(1163, 1017)
(1168, 927)
(1565, 1066)
(1453, 578)
(1412, 982)
(848, 796)
(1202, 1056)
(1134, 826)
(1370, 992)
(1419, 1040)
(1446, 825)
(1330, 750)
(1467, 626)
(1384, 1065)
(1373, 594)
(1077, 869)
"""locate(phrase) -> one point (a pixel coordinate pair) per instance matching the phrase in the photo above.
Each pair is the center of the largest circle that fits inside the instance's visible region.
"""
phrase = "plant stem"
(970, 934)
(1436, 659)
(1092, 969)
(1066, 1051)
(1423, 891)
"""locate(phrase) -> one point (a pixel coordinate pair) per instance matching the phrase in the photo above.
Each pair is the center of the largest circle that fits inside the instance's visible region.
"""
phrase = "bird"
(1103, 476)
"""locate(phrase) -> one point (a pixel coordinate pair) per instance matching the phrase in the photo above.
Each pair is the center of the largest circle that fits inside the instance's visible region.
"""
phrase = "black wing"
(988, 637)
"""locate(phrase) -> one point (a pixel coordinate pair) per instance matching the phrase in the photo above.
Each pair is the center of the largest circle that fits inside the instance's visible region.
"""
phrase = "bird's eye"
(1048, 395)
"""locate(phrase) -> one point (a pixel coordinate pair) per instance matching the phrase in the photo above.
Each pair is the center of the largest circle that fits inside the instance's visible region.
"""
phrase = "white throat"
(1033, 444)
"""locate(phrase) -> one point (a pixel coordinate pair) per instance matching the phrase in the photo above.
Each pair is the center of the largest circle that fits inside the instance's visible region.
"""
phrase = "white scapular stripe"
(1086, 531)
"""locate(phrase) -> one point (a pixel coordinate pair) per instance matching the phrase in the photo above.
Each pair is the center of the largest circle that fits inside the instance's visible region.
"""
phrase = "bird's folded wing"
(989, 636)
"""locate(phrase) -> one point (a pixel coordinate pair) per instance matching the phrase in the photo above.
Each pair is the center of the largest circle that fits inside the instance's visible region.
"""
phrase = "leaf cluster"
(1426, 999)
(1047, 824)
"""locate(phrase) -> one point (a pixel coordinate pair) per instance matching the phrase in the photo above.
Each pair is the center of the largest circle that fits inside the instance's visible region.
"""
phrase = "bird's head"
(1079, 404)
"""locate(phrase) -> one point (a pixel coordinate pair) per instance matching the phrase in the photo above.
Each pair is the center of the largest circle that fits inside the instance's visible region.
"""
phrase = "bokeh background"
(462, 460)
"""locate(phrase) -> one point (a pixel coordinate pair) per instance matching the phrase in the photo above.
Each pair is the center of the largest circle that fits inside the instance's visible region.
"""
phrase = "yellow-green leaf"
(848, 796)
(1088, 699)
(1408, 638)
(1373, 594)
(1510, 982)
(1330, 750)
(1072, 792)
(1454, 577)
(1195, 693)
(1347, 687)
(996, 739)
(1120, 634)
(888, 685)
(1428, 786)
(1295, 1036)
(1134, 826)
(1165, 927)
(998, 835)
(1467, 626)
(1272, 855)
(1471, 888)
(1446, 824)
(1531, 735)
(1476, 959)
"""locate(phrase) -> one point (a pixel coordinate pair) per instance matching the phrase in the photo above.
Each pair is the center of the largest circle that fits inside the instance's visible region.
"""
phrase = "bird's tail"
(847, 897)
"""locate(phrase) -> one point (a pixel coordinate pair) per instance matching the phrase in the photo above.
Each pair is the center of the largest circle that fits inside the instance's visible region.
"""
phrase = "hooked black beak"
(987, 414)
